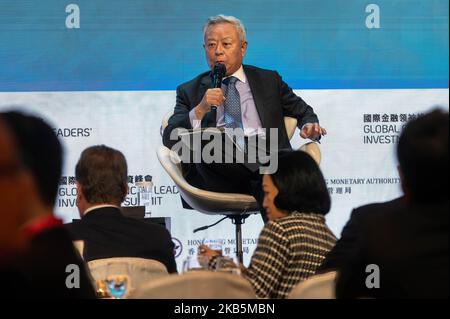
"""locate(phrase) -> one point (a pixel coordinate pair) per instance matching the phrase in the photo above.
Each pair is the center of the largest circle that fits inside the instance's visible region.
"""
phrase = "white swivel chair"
(196, 285)
(235, 206)
(79, 247)
(321, 286)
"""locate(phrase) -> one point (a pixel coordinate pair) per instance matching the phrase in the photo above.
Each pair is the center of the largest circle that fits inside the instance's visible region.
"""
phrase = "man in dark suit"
(102, 185)
(347, 243)
(250, 98)
(402, 251)
(49, 267)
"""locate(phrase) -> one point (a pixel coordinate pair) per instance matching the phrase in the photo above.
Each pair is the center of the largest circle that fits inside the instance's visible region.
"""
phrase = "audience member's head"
(41, 153)
(12, 196)
(101, 175)
(423, 158)
(297, 185)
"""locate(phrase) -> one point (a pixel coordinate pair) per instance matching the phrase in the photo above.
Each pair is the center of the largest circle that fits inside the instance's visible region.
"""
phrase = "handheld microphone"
(218, 73)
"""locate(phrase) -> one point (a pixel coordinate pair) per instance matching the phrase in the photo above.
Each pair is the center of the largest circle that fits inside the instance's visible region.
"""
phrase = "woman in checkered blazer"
(294, 242)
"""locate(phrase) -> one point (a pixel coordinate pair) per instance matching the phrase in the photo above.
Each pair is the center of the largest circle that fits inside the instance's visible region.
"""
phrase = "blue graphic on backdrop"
(154, 45)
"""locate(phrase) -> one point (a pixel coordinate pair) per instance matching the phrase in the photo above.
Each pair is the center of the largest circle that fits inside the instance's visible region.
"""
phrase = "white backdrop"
(358, 154)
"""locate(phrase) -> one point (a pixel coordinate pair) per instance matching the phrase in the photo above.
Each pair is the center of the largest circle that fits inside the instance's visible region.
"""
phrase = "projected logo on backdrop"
(384, 128)
(73, 131)
(158, 194)
(177, 248)
(228, 245)
(67, 192)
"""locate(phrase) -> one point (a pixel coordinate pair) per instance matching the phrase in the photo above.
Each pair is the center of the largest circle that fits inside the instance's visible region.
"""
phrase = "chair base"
(238, 220)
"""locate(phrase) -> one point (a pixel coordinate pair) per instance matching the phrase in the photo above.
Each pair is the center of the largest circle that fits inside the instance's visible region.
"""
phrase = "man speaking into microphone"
(248, 97)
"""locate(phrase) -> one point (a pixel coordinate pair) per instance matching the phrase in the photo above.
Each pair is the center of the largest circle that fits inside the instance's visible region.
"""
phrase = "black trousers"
(231, 178)
(237, 177)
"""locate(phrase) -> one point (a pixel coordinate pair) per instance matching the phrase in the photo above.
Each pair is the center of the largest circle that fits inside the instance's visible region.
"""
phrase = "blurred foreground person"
(403, 252)
(12, 199)
(50, 265)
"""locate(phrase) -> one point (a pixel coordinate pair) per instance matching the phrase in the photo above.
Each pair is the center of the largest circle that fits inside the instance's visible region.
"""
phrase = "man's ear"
(126, 189)
(80, 194)
(244, 48)
(80, 200)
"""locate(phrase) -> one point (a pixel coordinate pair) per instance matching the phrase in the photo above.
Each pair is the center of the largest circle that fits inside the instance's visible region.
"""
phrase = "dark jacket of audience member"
(347, 243)
(404, 252)
(107, 233)
(102, 185)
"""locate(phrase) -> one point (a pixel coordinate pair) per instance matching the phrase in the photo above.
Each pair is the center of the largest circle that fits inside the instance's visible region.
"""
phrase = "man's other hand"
(312, 131)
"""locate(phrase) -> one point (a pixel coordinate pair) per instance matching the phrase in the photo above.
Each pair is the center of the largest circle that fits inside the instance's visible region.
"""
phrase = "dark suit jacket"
(107, 233)
(347, 243)
(42, 267)
(410, 245)
(274, 100)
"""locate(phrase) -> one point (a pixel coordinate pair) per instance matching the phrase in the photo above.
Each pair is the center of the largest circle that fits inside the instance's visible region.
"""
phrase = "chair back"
(165, 122)
(312, 148)
(291, 124)
(197, 285)
(141, 270)
(316, 287)
(204, 201)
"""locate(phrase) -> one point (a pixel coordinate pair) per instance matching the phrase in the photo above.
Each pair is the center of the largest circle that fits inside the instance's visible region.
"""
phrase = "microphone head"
(220, 69)
(219, 72)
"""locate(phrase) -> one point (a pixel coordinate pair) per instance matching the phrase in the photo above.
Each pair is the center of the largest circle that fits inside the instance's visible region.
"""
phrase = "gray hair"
(226, 19)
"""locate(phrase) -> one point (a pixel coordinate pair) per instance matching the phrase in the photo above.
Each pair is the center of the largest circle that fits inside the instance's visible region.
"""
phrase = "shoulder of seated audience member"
(75, 229)
(362, 212)
(151, 227)
(367, 220)
(276, 225)
(75, 224)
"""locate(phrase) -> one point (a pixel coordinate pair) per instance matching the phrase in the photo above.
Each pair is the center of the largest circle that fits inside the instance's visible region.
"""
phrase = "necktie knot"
(230, 80)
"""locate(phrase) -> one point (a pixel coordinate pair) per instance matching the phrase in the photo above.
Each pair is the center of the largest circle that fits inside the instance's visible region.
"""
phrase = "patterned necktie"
(232, 110)
(232, 104)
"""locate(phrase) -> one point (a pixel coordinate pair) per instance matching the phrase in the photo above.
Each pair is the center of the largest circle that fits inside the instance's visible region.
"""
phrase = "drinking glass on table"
(214, 244)
(208, 249)
(117, 281)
